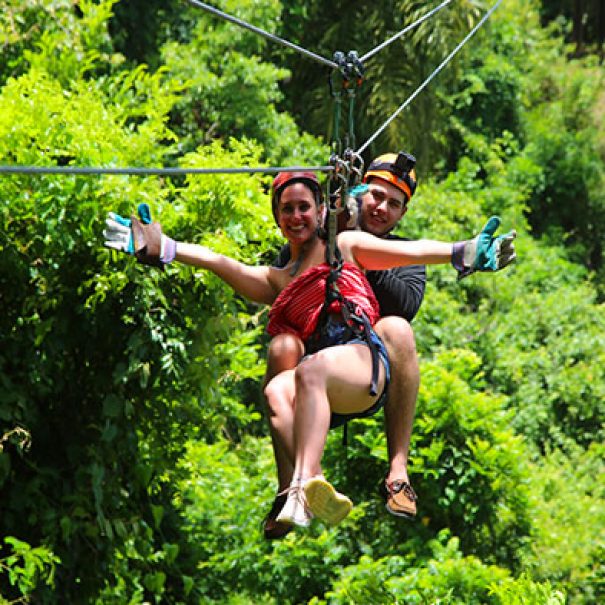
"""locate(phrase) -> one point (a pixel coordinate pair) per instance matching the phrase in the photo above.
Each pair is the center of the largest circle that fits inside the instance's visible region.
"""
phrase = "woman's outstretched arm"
(144, 239)
(255, 283)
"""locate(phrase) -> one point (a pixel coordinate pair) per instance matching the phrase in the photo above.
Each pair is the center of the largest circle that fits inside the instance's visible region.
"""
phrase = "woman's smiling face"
(297, 213)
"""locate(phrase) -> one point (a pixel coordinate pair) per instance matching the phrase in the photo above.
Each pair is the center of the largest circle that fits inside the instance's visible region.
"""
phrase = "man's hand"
(484, 252)
(352, 208)
(140, 237)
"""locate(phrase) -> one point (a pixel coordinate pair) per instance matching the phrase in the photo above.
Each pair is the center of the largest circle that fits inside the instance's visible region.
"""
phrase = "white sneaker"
(295, 510)
(325, 502)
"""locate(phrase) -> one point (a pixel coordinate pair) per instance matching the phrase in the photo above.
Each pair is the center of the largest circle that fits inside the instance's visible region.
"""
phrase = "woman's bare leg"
(280, 401)
(284, 353)
(336, 379)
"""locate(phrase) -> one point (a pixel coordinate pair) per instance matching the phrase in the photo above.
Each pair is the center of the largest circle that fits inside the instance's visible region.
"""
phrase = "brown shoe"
(400, 499)
(272, 528)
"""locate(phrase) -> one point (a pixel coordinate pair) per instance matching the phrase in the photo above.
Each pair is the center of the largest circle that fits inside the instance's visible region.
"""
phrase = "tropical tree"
(392, 75)
(135, 465)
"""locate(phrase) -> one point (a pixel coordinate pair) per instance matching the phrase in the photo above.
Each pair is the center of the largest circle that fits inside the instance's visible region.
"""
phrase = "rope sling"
(347, 173)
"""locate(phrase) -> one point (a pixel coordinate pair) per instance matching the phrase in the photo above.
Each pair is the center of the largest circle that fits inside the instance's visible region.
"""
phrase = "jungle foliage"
(135, 462)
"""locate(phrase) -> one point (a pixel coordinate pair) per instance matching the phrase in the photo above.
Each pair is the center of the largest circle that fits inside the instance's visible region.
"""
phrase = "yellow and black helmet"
(397, 169)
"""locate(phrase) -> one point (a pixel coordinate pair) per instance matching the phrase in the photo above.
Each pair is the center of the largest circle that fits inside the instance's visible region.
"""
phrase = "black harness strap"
(360, 324)
(355, 320)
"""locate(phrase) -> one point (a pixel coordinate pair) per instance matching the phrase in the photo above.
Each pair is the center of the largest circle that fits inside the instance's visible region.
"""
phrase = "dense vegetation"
(135, 465)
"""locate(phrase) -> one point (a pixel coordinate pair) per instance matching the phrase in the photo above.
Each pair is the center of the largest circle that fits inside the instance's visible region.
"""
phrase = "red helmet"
(395, 169)
(285, 179)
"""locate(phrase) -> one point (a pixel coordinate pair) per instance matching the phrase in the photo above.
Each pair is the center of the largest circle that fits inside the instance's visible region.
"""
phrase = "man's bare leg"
(400, 408)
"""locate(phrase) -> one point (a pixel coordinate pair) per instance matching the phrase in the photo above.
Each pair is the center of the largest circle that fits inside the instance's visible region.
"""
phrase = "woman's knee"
(311, 372)
(279, 393)
(284, 353)
(272, 392)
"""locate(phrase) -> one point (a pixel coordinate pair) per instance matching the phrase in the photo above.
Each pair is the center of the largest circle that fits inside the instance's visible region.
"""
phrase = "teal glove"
(484, 252)
(140, 237)
(359, 190)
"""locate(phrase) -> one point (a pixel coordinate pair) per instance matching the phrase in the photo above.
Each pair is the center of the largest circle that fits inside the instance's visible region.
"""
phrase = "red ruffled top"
(296, 310)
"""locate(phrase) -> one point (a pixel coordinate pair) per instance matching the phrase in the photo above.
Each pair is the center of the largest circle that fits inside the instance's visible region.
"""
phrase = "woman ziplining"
(377, 207)
(337, 378)
(351, 70)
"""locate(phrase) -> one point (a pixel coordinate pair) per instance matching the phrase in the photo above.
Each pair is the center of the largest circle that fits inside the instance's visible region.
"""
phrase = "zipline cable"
(426, 82)
(262, 32)
(404, 31)
(171, 171)
(88, 170)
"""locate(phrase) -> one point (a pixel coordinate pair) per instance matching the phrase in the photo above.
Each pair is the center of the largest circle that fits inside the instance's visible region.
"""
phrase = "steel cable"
(173, 171)
(404, 31)
(262, 32)
(426, 82)
(133, 170)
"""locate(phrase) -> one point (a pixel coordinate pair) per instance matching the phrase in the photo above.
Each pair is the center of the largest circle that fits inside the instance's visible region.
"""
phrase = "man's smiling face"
(382, 207)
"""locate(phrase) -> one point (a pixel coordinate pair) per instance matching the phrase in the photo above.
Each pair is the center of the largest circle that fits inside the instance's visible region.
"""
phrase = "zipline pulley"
(347, 165)
(350, 69)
